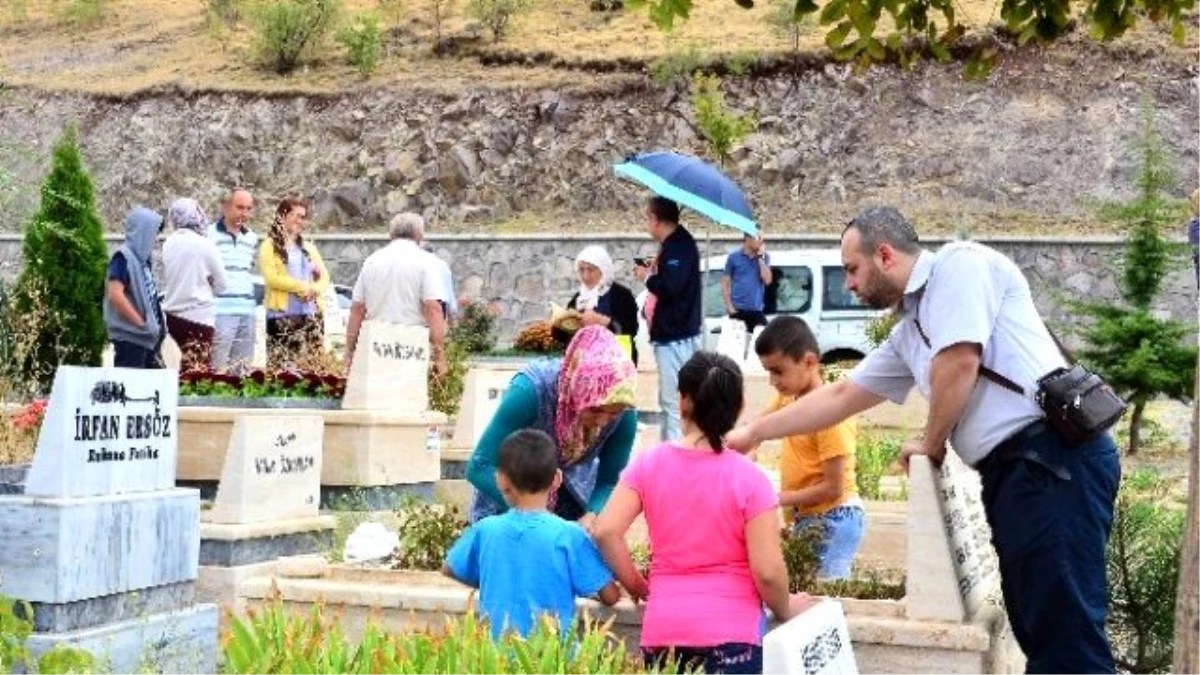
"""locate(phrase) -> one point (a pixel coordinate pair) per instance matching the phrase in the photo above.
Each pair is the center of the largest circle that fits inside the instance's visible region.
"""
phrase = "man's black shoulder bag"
(1078, 403)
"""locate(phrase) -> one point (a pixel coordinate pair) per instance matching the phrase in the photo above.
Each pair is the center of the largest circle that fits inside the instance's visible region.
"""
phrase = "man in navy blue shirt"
(674, 279)
(744, 284)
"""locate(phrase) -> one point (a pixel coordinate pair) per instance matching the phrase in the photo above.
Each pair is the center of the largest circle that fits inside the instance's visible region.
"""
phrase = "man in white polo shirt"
(401, 283)
(1049, 504)
(233, 344)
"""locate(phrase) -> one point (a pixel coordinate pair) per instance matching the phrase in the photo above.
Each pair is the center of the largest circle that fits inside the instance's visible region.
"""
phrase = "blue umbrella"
(693, 183)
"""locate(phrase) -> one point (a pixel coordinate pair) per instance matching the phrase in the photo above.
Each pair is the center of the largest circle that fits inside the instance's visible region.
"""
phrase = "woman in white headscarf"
(601, 300)
(192, 273)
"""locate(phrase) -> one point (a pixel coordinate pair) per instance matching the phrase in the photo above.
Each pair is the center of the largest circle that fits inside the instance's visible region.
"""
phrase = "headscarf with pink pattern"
(595, 372)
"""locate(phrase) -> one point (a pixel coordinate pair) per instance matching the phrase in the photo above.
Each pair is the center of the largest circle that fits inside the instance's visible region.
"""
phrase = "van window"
(790, 291)
(835, 294)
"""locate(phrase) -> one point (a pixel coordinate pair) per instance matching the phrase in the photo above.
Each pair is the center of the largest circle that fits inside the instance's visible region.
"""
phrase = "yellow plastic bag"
(626, 342)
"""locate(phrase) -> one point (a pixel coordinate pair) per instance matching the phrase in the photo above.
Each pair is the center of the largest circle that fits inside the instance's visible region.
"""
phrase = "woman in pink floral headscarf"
(586, 402)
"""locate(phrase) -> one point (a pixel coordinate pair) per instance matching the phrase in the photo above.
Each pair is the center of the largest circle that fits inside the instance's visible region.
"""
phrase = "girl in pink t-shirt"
(714, 527)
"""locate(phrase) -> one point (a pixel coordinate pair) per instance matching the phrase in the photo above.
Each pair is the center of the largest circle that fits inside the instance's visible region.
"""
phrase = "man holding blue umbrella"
(674, 279)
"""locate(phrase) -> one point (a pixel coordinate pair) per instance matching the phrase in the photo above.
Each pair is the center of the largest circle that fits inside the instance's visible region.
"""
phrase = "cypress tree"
(65, 265)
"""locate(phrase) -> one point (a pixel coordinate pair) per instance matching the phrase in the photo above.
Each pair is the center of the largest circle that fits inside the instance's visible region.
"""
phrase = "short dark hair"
(884, 224)
(713, 383)
(663, 209)
(529, 460)
(787, 335)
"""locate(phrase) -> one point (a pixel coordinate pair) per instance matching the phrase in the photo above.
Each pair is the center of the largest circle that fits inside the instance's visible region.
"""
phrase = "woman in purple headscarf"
(192, 274)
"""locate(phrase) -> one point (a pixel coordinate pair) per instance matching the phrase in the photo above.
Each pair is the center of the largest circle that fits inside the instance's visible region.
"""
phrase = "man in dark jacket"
(674, 279)
(131, 309)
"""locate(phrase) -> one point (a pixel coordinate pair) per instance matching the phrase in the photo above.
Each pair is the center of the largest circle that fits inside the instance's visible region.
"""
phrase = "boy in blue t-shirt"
(527, 561)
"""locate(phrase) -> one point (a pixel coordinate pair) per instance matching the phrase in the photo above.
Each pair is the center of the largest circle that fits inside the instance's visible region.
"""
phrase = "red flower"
(31, 416)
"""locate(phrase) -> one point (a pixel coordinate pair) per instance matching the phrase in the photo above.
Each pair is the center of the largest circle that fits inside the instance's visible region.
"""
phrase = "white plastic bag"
(368, 542)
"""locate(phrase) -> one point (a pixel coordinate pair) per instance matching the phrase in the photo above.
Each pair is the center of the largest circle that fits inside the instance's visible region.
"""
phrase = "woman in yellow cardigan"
(295, 278)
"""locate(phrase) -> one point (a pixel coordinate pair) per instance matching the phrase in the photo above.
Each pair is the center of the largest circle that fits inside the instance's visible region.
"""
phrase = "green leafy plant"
(859, 30)
(65, 261)
(497, 15)
(272, 640)
(427, 531)
(363, 41)
(475, 329)
(1143, 573)
(722, 129)
(262, 384)
(289, 31)
(445, 392)
(879, 328)
(1137, 352)
(784, 20)
(678, 65)
(801, 553)
(15, 629)
(871, 586)
(874, 455)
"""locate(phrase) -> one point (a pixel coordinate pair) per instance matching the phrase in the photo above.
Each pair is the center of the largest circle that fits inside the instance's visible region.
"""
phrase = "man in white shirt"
(1049, 504)
(401, 283)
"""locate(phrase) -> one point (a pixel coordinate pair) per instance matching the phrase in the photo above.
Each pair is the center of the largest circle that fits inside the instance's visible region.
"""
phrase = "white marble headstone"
(391, 364)
(815, 643)
(107, 431)
(952, 566)
(272, 470)
(482, 391)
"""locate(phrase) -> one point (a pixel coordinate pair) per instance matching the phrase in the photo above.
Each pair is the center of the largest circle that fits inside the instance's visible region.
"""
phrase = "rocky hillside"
(1029, 150)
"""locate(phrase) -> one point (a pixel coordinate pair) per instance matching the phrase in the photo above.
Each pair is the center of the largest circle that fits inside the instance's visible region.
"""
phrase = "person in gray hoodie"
(132, 313)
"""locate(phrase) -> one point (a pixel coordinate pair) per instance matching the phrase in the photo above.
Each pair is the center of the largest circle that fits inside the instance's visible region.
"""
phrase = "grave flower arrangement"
(262, 384)
(19, 432)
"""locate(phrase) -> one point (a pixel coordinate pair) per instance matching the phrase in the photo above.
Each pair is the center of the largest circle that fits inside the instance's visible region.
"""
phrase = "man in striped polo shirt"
(233, 345)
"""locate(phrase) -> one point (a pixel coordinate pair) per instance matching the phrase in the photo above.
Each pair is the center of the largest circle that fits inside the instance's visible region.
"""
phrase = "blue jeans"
(844, 527)
(670, 357)
(731, 657)
(1051, 511)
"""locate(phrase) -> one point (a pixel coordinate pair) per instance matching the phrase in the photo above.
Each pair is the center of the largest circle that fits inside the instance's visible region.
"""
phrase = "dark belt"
(1011, 447)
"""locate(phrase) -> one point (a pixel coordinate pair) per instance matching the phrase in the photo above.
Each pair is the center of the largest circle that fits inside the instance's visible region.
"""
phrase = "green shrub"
(15, 629)
(1143, 574)
(274, 641)
(363, 41)
(445, 392)
(427, 531)
(801, 553)
(65, 264)
(475, 329)
(879, 328)
(874, 455)
(287, 32)
(678, 65)
(81, 13)
(497, 15)
(722, 129)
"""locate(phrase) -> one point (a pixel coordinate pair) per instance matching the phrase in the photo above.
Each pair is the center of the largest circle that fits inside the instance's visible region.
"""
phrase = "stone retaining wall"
(519, 274)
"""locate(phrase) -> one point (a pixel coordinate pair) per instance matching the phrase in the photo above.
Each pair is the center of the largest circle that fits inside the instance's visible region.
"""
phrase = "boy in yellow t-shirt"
(817, 470)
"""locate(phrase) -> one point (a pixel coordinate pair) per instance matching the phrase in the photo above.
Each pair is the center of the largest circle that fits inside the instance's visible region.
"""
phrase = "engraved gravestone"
(107, 432)
(817, 642)
(951, 563)
(272, 470)
(482, 391)
(389, 371)
(102, 544)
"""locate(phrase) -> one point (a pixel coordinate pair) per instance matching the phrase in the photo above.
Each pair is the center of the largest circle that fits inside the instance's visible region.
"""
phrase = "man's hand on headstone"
(917, 447)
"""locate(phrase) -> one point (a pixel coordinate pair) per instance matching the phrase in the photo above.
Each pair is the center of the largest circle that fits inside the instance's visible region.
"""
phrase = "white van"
(808, 283)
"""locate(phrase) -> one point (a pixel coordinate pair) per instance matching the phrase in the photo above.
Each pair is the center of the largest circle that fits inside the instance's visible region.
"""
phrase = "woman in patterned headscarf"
(586, 403)
(192, 273)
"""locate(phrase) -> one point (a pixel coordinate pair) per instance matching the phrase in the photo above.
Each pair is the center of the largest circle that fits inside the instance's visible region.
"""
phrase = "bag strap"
(988, 372)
